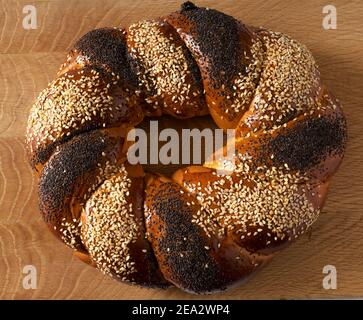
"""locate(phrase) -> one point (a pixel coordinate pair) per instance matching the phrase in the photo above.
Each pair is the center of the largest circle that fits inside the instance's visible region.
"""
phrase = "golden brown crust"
(80, 100)
(70, 176)
(260, 211)
(188, 257)
(200, 230)
(167, 73)
(228, 55)
(113, 230)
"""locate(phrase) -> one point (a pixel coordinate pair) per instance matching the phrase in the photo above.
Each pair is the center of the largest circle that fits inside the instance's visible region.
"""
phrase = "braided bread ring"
(198, 230)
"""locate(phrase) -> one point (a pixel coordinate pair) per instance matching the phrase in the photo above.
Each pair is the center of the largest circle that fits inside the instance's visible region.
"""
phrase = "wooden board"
(30, 58)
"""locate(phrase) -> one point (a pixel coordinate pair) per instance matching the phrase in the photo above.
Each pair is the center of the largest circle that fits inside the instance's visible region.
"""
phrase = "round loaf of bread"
(200, 230)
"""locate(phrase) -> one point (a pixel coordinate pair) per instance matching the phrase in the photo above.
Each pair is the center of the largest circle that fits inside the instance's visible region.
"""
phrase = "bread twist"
(199, 230)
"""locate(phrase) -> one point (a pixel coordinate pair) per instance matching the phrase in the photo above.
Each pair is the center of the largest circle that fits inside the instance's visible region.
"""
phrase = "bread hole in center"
(192, 145)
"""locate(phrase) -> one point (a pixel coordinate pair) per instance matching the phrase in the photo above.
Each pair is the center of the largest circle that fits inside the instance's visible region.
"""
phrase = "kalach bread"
(199, 230)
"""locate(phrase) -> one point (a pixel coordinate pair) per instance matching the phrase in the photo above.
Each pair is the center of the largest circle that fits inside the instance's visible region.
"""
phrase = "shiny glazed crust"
(199, 230)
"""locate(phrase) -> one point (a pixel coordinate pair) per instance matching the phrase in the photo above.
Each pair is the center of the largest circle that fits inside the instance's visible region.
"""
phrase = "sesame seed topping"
(110, 226)
(65, 104)
(272, 199)
(164, 65)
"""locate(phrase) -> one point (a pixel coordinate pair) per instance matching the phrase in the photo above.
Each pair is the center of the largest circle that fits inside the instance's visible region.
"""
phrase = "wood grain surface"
(30, 58)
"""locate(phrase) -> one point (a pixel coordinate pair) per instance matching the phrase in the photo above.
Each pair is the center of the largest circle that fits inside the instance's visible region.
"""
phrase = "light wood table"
(30, 58)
